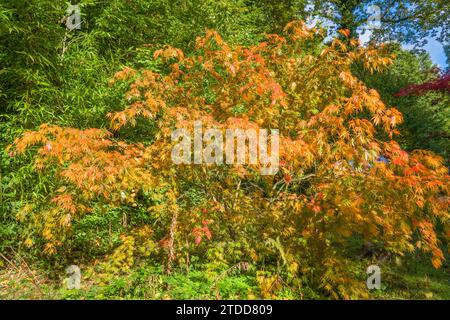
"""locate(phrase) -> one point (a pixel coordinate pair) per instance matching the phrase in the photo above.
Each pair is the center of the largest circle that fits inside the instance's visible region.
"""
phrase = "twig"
(173, 225)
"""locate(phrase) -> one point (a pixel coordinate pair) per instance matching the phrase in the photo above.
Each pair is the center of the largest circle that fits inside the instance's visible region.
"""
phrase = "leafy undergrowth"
(415, 279)
(401, 279)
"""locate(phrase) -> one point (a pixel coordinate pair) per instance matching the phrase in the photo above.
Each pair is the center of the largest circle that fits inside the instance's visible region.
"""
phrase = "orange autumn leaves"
(89, 165)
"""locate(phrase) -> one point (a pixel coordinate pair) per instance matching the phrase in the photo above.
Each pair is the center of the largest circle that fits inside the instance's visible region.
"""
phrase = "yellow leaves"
(429, 242)
(66, 220)
(289, 231)
(61, 189)
(29, 242)
(24, 212)
(49, 248)
(348, 79)
(375, 59)
(268, 284)
(293, 268)
(144, 243)
(430, 160)
(47, 233)
(121, 260)
(429, 295)
(391, 118)
(437, 259)
(253, 255)
(331, 109)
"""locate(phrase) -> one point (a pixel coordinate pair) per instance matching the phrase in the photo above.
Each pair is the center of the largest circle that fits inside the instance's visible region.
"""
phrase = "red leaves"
(399, 161)
(440, 84)
(200, 232)
(417, 168)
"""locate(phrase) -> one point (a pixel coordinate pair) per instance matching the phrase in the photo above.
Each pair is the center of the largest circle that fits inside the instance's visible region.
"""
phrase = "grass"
(416, 279)
(412, 278)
